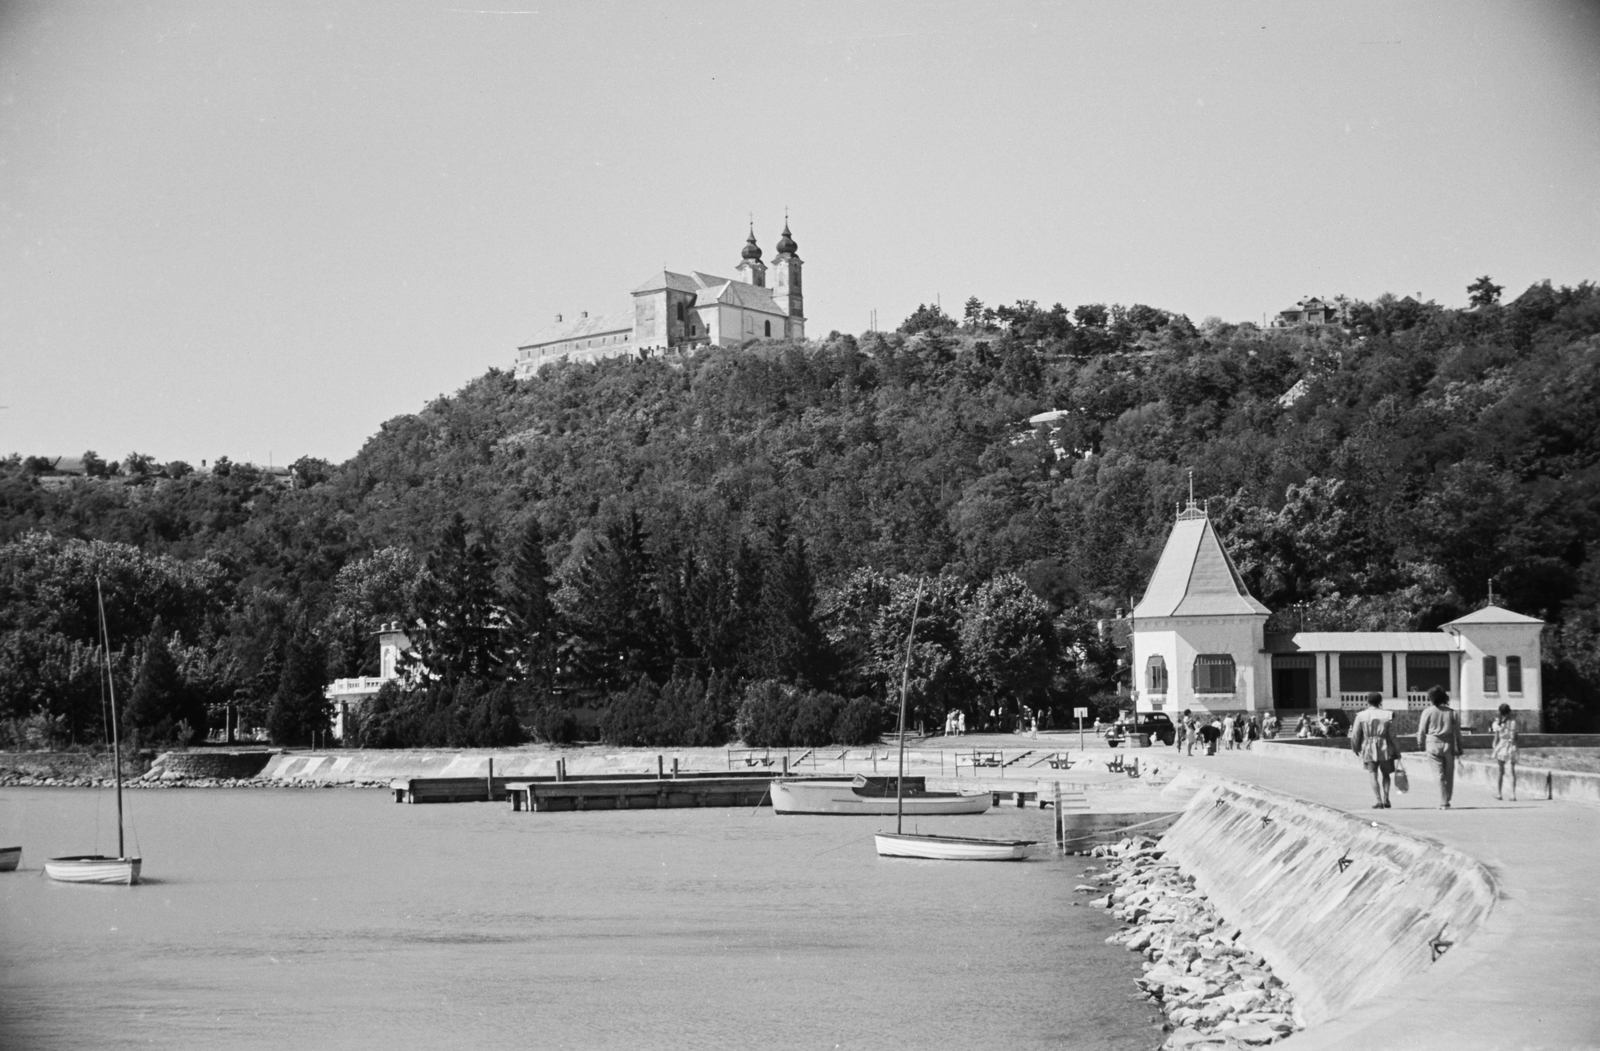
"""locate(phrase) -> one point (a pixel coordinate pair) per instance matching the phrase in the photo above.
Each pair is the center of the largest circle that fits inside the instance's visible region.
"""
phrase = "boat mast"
(905, 678)
(116, 744)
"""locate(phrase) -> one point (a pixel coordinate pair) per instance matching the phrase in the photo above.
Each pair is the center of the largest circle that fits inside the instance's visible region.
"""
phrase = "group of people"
(1438, 737)
(1234, 730)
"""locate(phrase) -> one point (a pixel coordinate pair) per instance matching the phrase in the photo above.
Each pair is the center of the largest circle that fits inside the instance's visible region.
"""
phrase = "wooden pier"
(492, 789)
(640, 794)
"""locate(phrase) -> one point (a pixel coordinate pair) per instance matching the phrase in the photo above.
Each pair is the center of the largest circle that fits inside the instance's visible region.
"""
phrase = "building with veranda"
(1200, 643)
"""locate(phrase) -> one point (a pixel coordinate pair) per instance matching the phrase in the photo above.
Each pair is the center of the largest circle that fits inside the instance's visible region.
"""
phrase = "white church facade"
(672, 311)
(1200, 643)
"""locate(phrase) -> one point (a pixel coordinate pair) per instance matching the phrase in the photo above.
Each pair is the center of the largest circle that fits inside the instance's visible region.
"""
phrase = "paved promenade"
(1528, 978)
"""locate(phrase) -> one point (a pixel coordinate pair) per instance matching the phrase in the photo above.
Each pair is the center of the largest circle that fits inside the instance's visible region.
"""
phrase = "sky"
(260, 230)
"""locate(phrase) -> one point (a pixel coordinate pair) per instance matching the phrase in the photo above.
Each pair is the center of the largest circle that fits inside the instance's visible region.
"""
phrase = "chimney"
(558, 319)
(584, 313)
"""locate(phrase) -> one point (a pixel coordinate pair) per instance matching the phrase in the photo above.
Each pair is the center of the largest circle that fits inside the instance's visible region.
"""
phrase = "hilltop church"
(1199, 643)
(672, 311)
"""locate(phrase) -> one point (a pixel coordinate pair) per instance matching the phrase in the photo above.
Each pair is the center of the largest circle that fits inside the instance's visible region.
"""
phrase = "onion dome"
(751, 249)
(786, 245)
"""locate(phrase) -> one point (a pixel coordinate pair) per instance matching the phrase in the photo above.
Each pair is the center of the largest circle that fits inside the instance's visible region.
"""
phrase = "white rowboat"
(951, 848)
(93, 868)
(870, 795)
(9, 857)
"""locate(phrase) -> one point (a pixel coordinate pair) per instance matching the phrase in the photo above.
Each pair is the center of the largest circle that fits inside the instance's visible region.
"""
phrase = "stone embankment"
(1215, 990)
(1254, 895)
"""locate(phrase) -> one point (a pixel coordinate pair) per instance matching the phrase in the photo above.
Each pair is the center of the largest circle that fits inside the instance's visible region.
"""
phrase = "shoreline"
(1213, 988)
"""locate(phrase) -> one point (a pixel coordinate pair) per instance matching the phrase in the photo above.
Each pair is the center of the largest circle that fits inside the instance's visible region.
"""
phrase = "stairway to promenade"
(1527, 979)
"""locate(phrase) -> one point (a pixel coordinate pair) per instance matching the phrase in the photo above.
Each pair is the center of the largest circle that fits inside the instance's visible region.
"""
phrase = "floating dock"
(492, 789)
(641, 793)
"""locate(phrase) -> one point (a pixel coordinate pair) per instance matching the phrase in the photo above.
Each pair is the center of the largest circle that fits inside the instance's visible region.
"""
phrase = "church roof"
(740, 294)
(581, 327)
(667, 279)
(1494, 615)
(1195, 577)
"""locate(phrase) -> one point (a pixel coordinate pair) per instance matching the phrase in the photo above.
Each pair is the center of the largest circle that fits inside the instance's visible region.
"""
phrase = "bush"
(631, 718)
(767, 714)
(860, 721)
(815, 715)
(554, 725)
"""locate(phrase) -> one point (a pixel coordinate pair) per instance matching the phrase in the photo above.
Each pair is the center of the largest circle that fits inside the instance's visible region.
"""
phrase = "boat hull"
(9, 858)
(840, 797)
(93, 868)
(951, 848)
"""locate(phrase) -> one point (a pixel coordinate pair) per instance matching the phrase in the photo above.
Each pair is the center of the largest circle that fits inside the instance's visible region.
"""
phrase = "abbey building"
(672, 311)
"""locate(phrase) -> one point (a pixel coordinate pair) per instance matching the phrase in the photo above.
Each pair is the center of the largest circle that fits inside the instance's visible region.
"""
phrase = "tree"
(93, 466)
(1484, 292)
(458, 635)
(530, 614)
(612, 611)
(795, 649)
(160, 708)
(927, 318)
(1009, 644)
(972, 314)
(299, 709)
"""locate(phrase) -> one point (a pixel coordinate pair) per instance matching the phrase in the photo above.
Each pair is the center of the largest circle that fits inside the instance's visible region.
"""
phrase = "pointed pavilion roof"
(1195, 577)
(1494, 615)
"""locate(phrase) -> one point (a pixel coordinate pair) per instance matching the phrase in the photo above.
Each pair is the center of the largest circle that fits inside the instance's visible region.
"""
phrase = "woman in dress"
(1372, 738)
(1504, 729)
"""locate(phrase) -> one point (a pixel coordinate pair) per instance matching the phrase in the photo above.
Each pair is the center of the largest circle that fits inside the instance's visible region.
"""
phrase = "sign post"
(1080, 713)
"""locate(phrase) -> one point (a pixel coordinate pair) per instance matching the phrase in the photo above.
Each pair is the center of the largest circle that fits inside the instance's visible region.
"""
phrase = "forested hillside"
(731, 542)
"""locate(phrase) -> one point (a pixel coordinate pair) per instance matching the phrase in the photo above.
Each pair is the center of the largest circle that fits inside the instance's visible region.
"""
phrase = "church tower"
(786, 288)
(751, 269)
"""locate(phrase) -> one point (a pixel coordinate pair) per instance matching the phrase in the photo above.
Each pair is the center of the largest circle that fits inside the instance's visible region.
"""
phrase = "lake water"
(337, 919)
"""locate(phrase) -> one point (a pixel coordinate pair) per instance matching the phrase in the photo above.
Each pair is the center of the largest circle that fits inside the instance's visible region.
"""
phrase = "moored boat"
(93, 868)
(871, 795)
(899, 843)
(98, 868)
(951, 848)
(9, 858)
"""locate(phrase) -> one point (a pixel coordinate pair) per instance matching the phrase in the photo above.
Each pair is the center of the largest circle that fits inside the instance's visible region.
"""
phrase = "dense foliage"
(599, 545)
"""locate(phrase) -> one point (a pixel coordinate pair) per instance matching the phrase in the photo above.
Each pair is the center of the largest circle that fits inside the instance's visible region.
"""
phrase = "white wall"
(1180, 639)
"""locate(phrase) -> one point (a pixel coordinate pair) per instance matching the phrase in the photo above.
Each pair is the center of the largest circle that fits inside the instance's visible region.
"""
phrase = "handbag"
(1402, 782)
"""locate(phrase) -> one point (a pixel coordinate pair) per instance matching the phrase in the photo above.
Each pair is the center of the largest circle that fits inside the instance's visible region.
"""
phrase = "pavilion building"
(1200, 643)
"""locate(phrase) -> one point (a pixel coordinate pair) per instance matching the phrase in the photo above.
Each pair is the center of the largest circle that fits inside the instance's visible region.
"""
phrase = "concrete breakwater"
(1211, 985)
(1341, 909)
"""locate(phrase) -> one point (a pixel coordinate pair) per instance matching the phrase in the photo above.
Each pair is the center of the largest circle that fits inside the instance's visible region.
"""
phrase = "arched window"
(769, 330)
(1156, 673)
(1213, 673)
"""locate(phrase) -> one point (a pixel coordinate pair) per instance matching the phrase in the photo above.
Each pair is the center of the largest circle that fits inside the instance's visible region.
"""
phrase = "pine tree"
(529, 611)
(458, 637)
(299, 708)
(614, 614)
(795, 650)
(158, 702)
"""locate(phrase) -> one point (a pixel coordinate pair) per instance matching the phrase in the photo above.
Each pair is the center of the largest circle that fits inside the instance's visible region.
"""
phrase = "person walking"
(1439, 734)
(1504, 729)
(1252, 731)
(1181, 731)
(1372, 738)
(1192, 726)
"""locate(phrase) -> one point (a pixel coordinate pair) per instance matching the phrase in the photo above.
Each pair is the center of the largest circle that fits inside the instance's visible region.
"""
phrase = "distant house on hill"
(672, 311)
(1312, 311)
(1199, 643)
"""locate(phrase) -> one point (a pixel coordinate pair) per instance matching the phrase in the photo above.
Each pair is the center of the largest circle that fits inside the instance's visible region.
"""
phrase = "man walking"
(1439, 734)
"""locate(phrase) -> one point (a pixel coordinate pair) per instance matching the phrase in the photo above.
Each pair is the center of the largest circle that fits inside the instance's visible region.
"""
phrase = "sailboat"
(98, 868)
(903, 844)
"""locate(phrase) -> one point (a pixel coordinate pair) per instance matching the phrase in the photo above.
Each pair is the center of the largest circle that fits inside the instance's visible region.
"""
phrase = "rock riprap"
(1215, 991)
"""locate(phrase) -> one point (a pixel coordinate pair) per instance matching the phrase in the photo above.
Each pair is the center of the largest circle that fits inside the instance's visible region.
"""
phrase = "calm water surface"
(337, 919)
